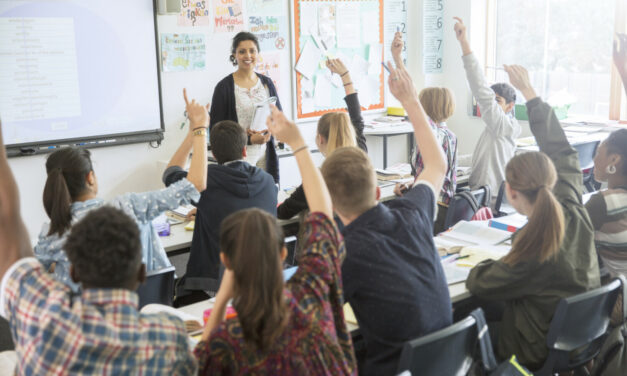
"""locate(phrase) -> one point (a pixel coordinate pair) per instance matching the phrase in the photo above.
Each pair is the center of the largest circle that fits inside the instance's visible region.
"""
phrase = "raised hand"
(336, 66)
(519, 78)
(283, 129)
(460, 29)
(397, 47)
(620, 57)
(198, 114)
(401, 85)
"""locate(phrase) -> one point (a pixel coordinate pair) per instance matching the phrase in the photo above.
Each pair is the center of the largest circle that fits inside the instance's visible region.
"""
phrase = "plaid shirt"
(99, 332)
(448, 140)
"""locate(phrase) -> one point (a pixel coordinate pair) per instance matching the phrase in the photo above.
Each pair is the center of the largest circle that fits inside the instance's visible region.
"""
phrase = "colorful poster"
(228, 16)
(268, 64)
(183, 52)
(270, 31)
(194, 13)
(264, 7)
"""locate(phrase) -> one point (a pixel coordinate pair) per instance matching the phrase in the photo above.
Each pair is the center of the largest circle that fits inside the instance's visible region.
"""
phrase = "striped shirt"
(608, 212)
(98, 332)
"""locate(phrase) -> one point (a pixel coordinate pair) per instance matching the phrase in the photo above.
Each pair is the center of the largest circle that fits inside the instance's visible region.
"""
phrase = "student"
(553, 256)
(497, 142)
(71, 192)
(235, 96)
(608, 208)
(100, 331)
(335, 130)
(231, 185)
(292, 328)
(392, 275)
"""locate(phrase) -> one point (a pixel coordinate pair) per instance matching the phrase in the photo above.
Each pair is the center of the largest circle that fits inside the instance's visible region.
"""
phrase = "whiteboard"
(78, 70)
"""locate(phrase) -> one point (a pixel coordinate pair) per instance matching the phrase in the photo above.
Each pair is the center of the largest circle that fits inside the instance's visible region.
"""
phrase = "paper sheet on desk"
(474, 255)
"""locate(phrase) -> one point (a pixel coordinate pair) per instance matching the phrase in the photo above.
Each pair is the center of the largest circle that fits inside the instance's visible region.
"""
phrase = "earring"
(610, 169)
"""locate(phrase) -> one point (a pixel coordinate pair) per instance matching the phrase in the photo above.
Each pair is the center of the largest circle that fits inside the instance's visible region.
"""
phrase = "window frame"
(618, 100)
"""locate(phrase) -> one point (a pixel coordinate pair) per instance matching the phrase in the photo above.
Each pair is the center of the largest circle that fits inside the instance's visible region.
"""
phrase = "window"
(567, 47)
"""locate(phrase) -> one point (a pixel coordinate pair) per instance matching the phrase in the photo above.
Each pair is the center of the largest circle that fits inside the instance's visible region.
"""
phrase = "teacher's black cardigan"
(223, 108)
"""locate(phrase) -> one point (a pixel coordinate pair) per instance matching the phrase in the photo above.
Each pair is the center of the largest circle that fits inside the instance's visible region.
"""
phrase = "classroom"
(371, 187)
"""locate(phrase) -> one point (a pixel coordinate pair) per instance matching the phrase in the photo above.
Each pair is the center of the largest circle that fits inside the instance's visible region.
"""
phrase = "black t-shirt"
(393, 277)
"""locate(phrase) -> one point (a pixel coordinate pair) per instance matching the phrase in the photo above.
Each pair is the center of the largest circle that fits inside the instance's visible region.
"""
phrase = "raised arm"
(13, 235)
(620, 57)
(435, 165)
(316, 192)
(550, 137)
(198, 124)
(397, 49)
(352, 100)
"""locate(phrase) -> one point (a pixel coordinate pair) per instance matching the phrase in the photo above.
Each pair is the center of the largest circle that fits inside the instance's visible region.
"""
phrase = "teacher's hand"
(284, 130)
(197, 113)
(258, 138)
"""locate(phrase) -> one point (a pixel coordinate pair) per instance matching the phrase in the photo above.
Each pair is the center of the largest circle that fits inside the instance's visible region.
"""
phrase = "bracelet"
(344, 74)
(348, 83)
(197, 128)
(299, 149)
(200, 131)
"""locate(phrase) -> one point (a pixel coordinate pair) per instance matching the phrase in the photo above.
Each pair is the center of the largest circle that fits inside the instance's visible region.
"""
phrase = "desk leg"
(385, 152)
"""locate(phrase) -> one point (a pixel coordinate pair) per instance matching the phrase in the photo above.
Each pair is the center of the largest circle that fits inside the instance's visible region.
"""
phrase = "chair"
(461, 208)
(449, 351)
(578, 328)
(482, 195)
(158, 287)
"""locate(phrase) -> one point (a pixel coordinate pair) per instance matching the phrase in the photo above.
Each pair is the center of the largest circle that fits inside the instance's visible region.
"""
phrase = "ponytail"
(67, 173)
(533, 175)
(336, 127)
(257, 269)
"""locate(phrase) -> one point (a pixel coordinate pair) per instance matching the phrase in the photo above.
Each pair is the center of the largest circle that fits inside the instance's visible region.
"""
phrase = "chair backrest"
(586, 151)
(580, 323)
(158, 287)
(461, 208)
(501, 199)
(449, 351)
(482, 195)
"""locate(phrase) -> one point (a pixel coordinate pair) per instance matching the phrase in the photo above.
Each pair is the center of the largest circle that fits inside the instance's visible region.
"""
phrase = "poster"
(270, 31)
(183, 52)
(433, 36)
(194, 13)
(264, 7)
(268, 64)
(228, 16)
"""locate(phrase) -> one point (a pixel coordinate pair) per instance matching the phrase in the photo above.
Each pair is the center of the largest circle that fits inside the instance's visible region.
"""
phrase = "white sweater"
(497, 143)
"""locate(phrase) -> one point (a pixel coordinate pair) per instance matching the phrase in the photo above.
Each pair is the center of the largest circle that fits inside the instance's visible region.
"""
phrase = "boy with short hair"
(232, 185)
(497, 143)
(100, 331)
(392, 274)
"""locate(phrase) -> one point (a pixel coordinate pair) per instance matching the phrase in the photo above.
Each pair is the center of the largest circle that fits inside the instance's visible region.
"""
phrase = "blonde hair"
(533, 175)
(438, 102)
(351, 180)
(337, 129)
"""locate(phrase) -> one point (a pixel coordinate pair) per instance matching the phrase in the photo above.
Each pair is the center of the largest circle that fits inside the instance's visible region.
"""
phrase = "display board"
(74, 71)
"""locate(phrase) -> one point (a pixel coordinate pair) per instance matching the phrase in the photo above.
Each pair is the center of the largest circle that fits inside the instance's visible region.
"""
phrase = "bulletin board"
(358, 40)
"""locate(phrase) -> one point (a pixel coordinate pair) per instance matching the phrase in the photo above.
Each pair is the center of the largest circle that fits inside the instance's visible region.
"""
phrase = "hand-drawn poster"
(264, 7)
(194, 13)
(268, 64)
(270, 30)
(228, 16)
(183, 52)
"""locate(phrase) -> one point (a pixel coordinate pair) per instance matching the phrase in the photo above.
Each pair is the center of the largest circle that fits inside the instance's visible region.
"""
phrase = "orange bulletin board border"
(297, 51)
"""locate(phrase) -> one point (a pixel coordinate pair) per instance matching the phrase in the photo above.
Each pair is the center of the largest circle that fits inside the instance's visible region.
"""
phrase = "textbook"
(475, 233)
(510, 223)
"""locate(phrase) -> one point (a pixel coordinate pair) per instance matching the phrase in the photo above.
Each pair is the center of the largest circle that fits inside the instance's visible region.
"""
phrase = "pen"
(462, 257)
(385, 66)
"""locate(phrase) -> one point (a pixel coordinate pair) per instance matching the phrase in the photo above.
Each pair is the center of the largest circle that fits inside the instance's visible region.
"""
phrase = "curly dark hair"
(105, 249)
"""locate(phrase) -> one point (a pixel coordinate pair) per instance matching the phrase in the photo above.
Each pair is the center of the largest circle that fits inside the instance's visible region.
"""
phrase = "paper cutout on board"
(228, 16)
(326, 25)
(269, 64)
(194, 13)
(375, 57)
(308, 61)
(183, 52)
(348, 25)
(264, 7)
(322, 92)
(309, 24)
(370, 27)
(270, 31)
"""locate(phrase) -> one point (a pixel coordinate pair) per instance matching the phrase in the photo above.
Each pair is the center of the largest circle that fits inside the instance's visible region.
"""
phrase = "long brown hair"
(67, 170)
(252, 241)
(336, 127)
(533, 175)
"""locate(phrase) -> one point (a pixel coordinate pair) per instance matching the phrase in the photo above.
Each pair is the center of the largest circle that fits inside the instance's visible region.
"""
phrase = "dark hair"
(252, 241)
(104, 248)
(617, 144)
(239, 38)
(505, 90)
(67, 170)
(227, 139)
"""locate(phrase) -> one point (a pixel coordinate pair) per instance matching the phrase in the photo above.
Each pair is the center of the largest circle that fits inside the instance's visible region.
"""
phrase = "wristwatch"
(200, 132)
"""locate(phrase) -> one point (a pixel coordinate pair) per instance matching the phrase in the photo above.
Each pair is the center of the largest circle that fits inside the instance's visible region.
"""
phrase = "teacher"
(235, 96)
